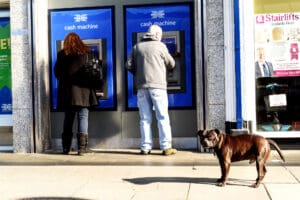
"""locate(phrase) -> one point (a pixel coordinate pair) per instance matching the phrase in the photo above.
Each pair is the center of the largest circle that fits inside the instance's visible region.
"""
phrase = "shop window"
(277, 65)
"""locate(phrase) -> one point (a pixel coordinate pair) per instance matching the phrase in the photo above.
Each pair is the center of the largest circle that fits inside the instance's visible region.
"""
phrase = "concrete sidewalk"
(124, 174)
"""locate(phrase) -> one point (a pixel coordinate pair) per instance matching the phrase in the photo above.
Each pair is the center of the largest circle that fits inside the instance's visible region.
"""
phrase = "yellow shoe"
(169, 151)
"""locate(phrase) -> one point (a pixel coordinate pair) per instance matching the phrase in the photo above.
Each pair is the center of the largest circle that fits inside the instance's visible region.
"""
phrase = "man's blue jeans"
(82, 118)
(147, 100)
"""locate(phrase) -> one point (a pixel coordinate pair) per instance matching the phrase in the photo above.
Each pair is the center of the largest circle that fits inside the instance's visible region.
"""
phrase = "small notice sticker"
(276, 100)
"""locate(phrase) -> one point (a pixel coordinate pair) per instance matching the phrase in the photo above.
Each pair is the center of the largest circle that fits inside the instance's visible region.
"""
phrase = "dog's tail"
(274, 144)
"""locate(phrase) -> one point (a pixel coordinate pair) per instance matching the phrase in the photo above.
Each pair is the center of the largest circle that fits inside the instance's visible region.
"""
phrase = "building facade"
(214, 87)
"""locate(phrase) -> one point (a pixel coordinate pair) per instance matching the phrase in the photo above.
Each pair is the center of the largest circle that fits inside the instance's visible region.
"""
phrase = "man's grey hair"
(156, 31)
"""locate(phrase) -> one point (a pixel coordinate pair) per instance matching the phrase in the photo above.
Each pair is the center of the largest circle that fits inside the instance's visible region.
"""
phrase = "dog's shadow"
(241, 182)
(149, 180)
(201, 180)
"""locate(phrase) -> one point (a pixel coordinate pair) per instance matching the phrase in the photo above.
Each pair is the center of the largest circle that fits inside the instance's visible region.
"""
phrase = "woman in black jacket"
(74, 97)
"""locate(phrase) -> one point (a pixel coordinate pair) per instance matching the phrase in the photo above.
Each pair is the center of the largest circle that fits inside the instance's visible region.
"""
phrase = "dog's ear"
(218, 131)
(200, 132)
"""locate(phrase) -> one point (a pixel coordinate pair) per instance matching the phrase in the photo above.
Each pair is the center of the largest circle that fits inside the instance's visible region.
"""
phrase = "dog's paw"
(256, 185)
(221, 184)
(220, 180)
(251, 161)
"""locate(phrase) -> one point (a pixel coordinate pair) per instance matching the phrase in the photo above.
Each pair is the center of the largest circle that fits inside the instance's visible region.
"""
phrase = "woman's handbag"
(91, 73)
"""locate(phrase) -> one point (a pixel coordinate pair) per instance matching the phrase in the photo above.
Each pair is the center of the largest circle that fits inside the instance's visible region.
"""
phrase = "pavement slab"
(126, 175)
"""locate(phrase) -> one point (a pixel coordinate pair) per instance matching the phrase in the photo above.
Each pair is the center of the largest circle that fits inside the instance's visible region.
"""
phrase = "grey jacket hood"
(149, 36)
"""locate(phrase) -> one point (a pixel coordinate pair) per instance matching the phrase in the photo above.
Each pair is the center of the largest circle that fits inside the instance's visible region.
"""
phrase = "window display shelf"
(279, 134)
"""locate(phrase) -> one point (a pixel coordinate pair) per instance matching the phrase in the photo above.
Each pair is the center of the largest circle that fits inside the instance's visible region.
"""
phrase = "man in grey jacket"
(149, 62)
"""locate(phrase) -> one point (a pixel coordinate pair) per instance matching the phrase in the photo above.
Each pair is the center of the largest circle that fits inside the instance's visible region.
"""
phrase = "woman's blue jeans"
(157, 99)
(82, 119)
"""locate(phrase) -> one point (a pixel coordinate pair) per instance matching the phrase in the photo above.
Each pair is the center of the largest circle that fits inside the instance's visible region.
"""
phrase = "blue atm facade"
(111, 30)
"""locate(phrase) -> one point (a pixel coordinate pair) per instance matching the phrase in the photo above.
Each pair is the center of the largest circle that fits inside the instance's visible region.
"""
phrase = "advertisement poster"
(279, 35)
(176, 22)
(95, 28)
(5, 68)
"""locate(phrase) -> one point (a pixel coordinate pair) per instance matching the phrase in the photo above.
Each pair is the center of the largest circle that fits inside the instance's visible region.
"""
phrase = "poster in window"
(5, 68)
(278, 35)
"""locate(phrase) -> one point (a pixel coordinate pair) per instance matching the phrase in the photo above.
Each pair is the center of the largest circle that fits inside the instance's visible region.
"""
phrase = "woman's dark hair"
(73, 45)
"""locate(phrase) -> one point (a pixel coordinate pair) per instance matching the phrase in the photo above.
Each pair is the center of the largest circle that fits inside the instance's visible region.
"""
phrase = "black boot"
(66, 142)
(82, 140)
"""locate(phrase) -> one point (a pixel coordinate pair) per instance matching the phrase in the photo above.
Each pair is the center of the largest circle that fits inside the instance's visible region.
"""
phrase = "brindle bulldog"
(236, 148)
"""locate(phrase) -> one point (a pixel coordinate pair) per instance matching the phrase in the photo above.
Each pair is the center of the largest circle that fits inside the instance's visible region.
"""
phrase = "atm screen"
(171, 44)
(94, 49)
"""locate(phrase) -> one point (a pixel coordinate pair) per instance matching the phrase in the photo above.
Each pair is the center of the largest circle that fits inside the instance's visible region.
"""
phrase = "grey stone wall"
(214, 64)
(30, 82)
(21, 66)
